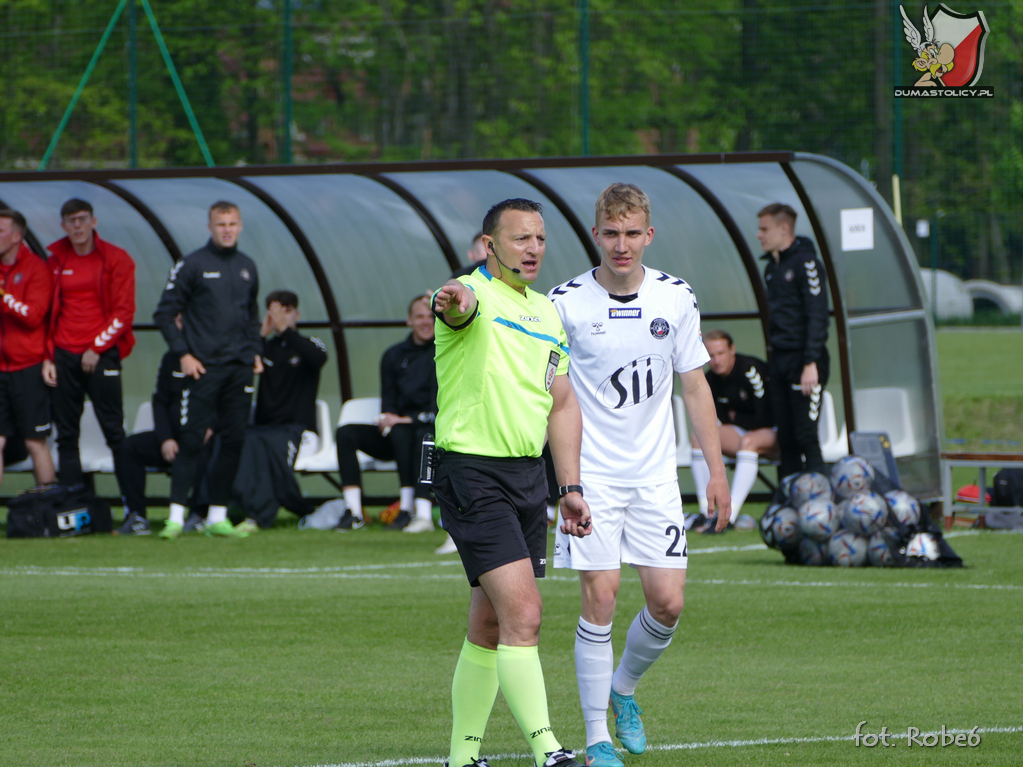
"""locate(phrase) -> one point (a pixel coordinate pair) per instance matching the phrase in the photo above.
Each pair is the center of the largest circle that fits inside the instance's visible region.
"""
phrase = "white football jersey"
(623, 359)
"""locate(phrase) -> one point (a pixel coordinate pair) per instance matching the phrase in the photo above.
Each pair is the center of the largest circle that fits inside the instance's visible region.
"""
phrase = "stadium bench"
(317, 453)
(92, 445)
(363, 410)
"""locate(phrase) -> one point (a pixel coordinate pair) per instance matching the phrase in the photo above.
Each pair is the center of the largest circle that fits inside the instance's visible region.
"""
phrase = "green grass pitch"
(297, 649)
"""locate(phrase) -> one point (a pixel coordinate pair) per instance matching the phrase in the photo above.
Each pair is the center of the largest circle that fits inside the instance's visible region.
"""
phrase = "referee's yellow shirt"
(494, 374)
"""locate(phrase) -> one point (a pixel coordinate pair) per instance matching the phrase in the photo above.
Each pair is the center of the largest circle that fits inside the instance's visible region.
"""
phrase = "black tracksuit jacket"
(797, 296)
(217, 292)
(741, 397)
(290, 379)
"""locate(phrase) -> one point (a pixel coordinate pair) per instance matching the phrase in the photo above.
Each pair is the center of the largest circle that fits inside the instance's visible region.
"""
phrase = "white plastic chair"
(143, 418)
(834, 443)
(317, 452)
(886, 409)
(92, 445)
(683, 448)
(364, 410)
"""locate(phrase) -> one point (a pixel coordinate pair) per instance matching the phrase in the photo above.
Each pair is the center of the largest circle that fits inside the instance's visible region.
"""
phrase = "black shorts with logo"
(495, 510)
(25, 404)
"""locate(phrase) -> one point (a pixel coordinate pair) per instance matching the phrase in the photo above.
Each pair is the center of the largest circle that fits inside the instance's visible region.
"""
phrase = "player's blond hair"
(620, 200)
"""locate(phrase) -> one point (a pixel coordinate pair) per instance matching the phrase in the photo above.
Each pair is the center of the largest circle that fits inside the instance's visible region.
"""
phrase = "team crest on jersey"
(632, 383)
(743, 395)
(552, 369)
(789, 276)
(17, 278)
(659, 328)
(245, 274)
(295, 360)
(624, 314)
(597, 329)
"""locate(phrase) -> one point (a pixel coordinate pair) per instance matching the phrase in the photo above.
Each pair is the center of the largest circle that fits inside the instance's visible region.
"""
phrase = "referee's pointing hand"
(453, 295)
(576, 513)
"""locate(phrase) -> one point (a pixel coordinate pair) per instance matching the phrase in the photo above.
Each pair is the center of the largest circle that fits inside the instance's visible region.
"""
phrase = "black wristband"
(566, 489)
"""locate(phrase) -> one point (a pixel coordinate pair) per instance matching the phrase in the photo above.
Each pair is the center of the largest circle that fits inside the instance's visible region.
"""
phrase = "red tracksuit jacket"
(116, 289)
(27, 289)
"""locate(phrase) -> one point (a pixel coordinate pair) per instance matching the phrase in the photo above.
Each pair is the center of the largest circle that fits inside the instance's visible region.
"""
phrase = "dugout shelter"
(357, 241)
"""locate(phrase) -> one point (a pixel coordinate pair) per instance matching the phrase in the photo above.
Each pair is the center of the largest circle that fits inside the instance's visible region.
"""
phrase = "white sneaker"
(419, 525)
(448, 547)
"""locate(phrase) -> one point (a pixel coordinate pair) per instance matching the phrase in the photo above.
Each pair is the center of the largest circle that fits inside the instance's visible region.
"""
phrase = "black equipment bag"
(1008, 488)
(57, 512)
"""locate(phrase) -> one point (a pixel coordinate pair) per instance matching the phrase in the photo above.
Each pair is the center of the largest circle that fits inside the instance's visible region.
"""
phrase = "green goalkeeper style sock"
(521, 677)
(473, 692)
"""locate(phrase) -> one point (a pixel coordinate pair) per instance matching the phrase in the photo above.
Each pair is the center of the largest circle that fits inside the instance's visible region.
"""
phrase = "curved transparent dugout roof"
(117, 222)
(459, 200)
(376, 251)
(182, 205)
(689, 240)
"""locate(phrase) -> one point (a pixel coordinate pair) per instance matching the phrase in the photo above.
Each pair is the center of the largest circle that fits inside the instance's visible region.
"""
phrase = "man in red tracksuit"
(90, 333)
(25, 290)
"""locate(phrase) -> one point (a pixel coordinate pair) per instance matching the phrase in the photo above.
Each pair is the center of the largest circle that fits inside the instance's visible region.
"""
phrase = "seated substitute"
(739, 385)
(408, 408)
(25, 291)
(157, 449)
(285, 408)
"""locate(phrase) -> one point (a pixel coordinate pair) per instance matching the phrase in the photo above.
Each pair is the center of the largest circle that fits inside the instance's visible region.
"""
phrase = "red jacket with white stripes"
(27, 290)
(115, 286)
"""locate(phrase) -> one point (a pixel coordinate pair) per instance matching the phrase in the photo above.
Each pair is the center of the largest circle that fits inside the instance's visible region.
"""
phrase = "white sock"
(353, 500)
(408, 498)
(747, 464)
(701, 476)
(594, 663)
(177, 513)
(552, 512)
(424, 508)
(216, 514)
(646, 640)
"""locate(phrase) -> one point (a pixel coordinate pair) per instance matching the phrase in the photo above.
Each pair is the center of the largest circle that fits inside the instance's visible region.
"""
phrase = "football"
(904, 507)
(808, 486)
(813, 553)
(819, 519)
(846, 549)
(923, 545)
(878, 550)
(766, 526)
(864, 513)
(785, 528)
(851, 475)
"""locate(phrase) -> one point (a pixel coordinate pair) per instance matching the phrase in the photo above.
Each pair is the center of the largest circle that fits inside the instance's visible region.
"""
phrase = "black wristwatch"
(566, 489)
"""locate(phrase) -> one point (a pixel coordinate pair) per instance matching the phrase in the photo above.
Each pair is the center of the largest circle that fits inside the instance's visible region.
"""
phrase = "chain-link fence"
(435, 79)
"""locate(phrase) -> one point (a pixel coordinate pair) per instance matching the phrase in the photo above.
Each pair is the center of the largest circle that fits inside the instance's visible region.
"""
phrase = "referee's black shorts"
(495, 510)
(25, 403)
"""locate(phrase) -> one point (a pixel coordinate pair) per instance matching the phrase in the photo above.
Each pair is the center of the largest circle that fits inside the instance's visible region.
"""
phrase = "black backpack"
(1008, 488)
(57, 512)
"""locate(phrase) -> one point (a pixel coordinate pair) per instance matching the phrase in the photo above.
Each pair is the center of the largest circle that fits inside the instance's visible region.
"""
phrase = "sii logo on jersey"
(632, 383)
(616, 313)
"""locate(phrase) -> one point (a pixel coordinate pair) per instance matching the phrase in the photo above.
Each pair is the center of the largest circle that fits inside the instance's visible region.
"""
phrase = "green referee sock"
(521, 677)
(473, 692)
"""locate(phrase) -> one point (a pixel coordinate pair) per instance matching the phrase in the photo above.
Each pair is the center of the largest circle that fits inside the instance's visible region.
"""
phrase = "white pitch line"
(693, 746)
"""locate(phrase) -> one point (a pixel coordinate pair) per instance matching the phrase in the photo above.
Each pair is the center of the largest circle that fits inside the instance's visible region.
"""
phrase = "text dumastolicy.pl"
(942, 738)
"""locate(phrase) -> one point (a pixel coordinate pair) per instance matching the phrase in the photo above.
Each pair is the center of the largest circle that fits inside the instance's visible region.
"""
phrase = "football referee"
(502, 364)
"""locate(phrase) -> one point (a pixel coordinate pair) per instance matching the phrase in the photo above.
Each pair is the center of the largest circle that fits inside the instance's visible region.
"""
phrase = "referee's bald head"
(492, 220)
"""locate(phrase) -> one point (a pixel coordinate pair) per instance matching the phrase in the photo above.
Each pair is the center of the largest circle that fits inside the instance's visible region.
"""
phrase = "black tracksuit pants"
(221, 396)
(797, 415)
(266, 474)
(103, 386)
(403, 445)
(139, 452)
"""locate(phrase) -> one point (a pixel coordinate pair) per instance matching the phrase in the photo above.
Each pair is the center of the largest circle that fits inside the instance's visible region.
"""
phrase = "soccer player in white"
(629, 327)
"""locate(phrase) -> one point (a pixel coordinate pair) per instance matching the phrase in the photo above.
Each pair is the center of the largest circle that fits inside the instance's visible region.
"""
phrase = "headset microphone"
(490, 245)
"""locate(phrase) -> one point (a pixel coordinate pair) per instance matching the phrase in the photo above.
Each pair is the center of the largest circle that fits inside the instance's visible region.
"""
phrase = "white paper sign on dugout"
(858, 229)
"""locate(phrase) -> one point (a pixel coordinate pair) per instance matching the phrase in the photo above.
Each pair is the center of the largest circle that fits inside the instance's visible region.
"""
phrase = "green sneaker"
(628, 725)
(248, 527)
(171, 530)
(225, 529)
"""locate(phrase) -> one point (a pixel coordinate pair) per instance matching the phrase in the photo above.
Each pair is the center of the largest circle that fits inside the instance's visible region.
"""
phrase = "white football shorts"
(631, 525)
